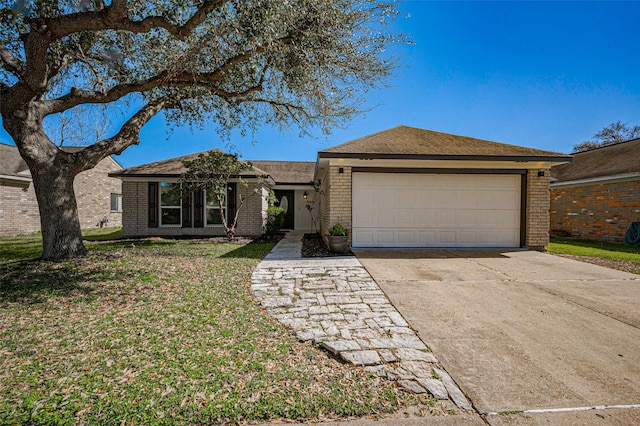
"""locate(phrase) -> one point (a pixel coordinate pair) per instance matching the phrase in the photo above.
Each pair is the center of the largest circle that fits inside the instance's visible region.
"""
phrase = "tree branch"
(168, 79)
(128, 135)
(10, 62)
(115, 18)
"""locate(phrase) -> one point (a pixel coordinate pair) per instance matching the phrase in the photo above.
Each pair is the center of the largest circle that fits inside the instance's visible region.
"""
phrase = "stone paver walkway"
(334, 302)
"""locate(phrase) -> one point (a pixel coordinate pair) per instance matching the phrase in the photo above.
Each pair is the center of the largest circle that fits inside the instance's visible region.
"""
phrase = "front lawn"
(617, 256)
(594, 249)
(162, 332)
(29, 247)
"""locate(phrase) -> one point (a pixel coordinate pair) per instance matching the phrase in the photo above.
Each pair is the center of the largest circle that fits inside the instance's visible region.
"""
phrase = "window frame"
(161, 206)
(118, 202)
(214, 206)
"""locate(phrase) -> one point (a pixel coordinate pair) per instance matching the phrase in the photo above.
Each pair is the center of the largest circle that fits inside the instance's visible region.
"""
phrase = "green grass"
(594, 249)
(29, 247)
(162, 332)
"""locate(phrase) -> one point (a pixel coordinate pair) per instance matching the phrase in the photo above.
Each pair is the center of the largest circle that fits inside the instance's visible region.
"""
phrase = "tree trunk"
(52, 171)
(61, 234)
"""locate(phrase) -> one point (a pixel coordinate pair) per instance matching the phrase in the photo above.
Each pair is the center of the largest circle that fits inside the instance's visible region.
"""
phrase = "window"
(170, 204)
(213, 215)
(116, 202)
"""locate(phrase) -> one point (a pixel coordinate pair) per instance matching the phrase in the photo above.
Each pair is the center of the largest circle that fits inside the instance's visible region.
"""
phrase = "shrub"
(337, 230)
(275, 220)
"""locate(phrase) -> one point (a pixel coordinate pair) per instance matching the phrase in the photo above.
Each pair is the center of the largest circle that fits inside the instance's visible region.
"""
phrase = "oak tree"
(610, 135)
(238, 63)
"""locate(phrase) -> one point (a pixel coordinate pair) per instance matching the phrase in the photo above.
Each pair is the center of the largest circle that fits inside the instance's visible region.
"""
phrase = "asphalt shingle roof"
(291, 172)
(610, 160)
(11, 163)
(407, 142)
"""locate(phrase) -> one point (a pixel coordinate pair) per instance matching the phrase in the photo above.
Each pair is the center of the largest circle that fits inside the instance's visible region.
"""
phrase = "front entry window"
(170, 205)
(284, 203)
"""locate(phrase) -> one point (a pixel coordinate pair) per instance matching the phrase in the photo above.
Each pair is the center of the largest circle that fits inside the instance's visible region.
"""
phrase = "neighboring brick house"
(409, 187)
(150, 209)
(99, 197)
(597, 196)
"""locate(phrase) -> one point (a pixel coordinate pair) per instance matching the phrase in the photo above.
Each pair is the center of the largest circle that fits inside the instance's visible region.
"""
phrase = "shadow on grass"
(35, 282)
(111, 234)
(249, 251)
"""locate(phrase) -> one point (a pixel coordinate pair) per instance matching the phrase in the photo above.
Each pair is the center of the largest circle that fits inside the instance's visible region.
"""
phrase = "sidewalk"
(334, 302)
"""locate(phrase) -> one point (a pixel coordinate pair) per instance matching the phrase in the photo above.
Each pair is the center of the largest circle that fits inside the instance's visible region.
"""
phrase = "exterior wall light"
(305, 195)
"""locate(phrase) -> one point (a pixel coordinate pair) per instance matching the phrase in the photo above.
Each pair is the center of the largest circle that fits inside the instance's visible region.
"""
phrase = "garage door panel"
(426, 237)
(405, 197)
(364, 236)
(404, 218)
(406, 237)
(364, 218)
(446, 218)
(385, 237)
(445, 199)
(428, 210)
(424, 218)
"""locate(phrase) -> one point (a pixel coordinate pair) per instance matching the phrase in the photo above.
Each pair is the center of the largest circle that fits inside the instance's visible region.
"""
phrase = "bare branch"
(10, 62)
(128, 135)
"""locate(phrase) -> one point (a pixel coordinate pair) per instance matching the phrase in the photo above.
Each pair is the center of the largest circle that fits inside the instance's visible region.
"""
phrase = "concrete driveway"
(523, 330)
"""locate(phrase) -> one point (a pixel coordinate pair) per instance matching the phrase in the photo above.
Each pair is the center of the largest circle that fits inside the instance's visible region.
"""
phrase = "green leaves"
(211, 173)
(243, 62)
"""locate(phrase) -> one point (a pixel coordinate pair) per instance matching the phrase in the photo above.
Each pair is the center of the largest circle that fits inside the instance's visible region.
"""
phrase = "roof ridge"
(605, 146)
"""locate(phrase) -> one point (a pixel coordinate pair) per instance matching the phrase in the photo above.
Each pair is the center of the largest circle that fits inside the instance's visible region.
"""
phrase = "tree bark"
(53, 172)
(61, 233)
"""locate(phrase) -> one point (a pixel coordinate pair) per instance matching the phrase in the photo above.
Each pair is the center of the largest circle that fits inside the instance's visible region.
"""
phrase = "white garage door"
(435, 210)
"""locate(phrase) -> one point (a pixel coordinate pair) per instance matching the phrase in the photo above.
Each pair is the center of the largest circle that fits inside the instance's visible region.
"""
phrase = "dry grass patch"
(163, 332)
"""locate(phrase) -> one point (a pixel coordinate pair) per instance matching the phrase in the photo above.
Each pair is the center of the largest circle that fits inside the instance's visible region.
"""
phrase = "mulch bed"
(313, 246)
(620, 265)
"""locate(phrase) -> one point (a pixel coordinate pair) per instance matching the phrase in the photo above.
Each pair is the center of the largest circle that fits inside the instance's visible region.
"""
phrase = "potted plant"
(338, 239)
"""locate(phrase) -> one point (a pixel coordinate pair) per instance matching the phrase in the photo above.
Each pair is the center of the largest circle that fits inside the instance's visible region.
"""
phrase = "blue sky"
(546, 75)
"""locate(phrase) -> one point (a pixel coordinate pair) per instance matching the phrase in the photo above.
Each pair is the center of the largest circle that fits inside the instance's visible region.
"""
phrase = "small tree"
(211, 173)
(610, 135)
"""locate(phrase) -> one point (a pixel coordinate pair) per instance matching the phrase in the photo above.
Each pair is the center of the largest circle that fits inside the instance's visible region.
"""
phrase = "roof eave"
(16, 178)
(308, 183)
(598, 180)
(176, 176)
(517, 158)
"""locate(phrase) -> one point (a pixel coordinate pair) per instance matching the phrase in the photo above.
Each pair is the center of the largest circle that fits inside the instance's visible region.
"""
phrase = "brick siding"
(336, 199)
(18, 208)
(324, 200)
(135, 219)
(537, 215)
(600, 212)
(93, 190)
(19, 212)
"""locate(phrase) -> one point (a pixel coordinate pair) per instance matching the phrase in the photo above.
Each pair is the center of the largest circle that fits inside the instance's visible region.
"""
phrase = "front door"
(285, 199)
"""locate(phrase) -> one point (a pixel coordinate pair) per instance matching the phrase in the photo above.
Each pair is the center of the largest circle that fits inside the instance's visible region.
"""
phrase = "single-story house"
(402, 187)
(150, 210)
(597, 196)
(99, 196)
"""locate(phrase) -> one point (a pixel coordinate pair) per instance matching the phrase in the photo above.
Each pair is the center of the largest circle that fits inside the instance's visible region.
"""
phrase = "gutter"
(598, 180)
(517, 158)
(17, 178)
